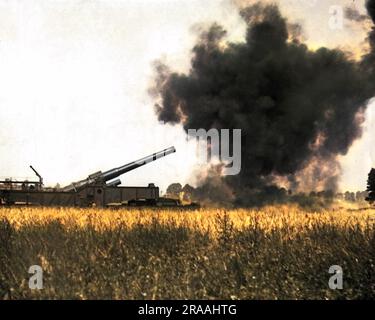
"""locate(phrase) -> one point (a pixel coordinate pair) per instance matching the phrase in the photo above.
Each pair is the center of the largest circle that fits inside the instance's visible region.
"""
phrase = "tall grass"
(277, 252)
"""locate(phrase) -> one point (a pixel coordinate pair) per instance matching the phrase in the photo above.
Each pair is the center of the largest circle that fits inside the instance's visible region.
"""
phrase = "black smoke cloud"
(368, 62)
(370, 6)
(354, 15)
(296, 107)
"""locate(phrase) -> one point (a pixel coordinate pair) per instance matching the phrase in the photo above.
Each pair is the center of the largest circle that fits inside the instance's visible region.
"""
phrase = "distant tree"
(361, 195)
(328, 194)
(188, 192)
(174, 189)
(371, 186)
(350, 196)
(188, 189)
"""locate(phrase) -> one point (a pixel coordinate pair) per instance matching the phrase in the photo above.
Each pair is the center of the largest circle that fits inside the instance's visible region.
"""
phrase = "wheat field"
(274, 252)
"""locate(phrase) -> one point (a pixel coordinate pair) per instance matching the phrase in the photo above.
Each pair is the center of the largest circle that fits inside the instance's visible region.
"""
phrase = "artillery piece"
(98, 189)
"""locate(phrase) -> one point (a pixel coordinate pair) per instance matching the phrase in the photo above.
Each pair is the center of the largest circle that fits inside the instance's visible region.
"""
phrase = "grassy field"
(277, 252)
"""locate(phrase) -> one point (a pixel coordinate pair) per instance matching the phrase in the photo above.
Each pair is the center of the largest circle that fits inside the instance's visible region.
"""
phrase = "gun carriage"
(101, 189)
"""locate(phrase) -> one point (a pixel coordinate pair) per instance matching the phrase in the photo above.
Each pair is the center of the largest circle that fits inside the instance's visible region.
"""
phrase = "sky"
(74, 77)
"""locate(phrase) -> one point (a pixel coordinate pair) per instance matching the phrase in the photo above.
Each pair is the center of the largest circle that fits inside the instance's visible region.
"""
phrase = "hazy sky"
(74, 78)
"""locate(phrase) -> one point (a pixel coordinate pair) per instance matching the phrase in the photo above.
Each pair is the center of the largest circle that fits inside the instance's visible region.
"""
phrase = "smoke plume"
(368, 62)
(354, 15)
(298, 108)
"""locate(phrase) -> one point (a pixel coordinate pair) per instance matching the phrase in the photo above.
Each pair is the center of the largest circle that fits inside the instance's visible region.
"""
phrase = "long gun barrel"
(102, 178)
